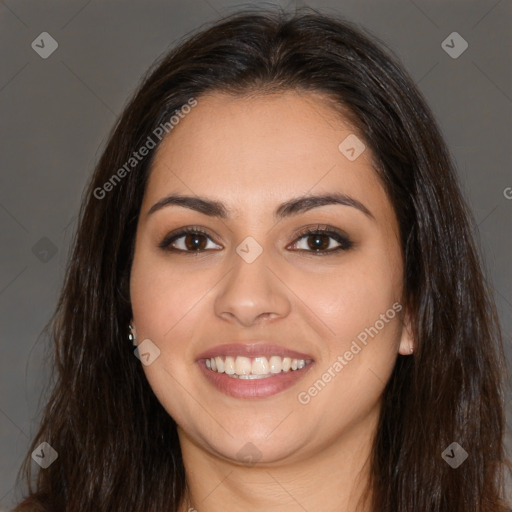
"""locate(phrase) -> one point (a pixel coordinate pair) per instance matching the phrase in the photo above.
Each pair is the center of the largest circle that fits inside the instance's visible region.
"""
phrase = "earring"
(131, 335)
(411, 349)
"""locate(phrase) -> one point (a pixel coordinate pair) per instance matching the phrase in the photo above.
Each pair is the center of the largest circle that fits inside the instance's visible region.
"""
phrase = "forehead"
(257, 150)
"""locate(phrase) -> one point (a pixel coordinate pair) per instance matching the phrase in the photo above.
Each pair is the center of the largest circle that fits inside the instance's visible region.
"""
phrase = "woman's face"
(253, 293)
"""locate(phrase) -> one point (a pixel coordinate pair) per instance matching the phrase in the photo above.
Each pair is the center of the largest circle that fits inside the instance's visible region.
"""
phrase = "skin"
(252, 154)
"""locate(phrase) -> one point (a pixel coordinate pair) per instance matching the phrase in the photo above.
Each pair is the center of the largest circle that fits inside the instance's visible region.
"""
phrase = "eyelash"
(339, 236)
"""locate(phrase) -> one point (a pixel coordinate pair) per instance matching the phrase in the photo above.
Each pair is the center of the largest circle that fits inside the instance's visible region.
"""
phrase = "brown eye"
(319, 241)
(187, 240)
(194, 242)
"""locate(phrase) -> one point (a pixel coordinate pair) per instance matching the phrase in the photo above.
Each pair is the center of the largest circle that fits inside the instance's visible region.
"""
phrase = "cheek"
(166, 305)
(350, 296)
(364, 313)
(163, 295)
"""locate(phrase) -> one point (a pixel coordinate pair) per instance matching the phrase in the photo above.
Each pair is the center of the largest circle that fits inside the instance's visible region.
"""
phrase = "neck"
(333, 477)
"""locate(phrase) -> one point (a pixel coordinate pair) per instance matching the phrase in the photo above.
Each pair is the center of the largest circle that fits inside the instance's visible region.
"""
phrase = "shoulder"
(30, 505)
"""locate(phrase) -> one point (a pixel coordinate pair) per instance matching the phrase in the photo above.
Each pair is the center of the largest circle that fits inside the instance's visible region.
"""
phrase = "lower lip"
(255, 388)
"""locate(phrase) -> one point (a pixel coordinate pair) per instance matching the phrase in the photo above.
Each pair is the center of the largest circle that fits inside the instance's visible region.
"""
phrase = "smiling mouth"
(251, 368)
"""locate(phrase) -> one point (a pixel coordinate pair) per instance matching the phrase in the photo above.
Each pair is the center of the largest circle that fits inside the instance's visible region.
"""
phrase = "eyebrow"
(287, 209)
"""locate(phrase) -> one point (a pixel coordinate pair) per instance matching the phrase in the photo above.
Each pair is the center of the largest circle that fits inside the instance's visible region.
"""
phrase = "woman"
(274, 300)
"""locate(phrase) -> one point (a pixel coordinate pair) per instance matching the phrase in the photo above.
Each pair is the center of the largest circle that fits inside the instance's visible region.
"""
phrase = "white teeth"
(275, 364)
(252, 377)
(258, 368)
(242, 366)
(220, 364)
(229, 365)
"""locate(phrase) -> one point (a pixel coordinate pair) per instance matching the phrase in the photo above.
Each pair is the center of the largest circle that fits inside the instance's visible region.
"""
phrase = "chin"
(249, 448)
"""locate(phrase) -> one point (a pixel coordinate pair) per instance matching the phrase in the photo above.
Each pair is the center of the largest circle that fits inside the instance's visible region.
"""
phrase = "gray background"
(57, 112)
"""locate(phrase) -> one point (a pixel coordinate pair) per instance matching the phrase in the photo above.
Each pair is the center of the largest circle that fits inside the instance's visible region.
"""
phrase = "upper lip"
(253, 349)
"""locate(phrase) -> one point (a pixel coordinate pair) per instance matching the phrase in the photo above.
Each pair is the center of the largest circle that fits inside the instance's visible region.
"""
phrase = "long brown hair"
(118, 448)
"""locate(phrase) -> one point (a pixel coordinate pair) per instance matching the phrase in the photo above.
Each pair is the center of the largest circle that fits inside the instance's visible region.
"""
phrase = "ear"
(406, 347)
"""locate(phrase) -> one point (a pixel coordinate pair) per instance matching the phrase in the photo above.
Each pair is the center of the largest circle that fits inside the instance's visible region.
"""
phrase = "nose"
(251, 293)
